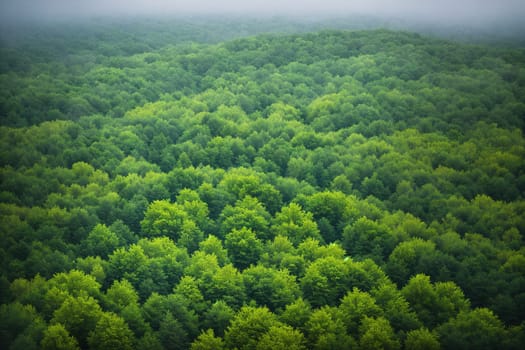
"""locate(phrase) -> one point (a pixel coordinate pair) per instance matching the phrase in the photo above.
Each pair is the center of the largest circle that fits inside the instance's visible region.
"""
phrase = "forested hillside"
(324, 190)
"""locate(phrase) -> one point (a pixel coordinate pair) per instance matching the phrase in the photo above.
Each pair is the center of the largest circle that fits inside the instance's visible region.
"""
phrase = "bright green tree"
(355, 306)
(248, 326)
(207, 341)
(421, 339)
(296, 224)
(80, 316)
(376, 333)
(244, 247)
(111, 332)
(101, 241)
(282, 338)
(56, 337)
(269, 287)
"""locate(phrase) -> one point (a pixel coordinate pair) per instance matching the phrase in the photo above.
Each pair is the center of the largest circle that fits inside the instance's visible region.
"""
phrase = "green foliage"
(411, 257)
(207, 341)
(57, 337)
(296, 314)
(294, 223)
(248, 326)
(368, 239)
(396, 308)
(111, 332)
(162, 188)
(269, 287)
(477, 328)
(244, 247)
(282, 338)
(101, 242)
(421, 339)
(436, 303)
(247, 213)
(376, 333)
(213, 245)
(326, 330)
(172, 334)
(163, 218)
(79, 315)
(120, 295)
(16, 321)
(218, 317)
(325, 281)
(355, 306)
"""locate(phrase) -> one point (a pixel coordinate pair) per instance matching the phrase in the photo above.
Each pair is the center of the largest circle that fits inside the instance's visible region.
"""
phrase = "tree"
(296, 314)
(183, 319)
(436, 303)
(56, 337)
(188, 288)
(247, 213)
(376, 333)
(423, 298)
(327, 279)
(172, 334)
(80, 316)
(395, 307)
(451, 300)
(202, 266)
(311, 250)
(330, 210)
(195, 207)
(322, 288)
(16, 319)
(190, 236)
(248, 326)
(243, 247)
(150, 341)
(282, 338)
(213, 245)
(355, 306)
(326, 330)
(411, 257)
(132, 314)
(93, 266)
(207, 341)
(218, 317)
(163, 218)
(120, 295)
(164, 266)
(75, 283)
(111, 332)
(294, 223)
(368, 239)
(478, 328)
(421, 339)
(227, 284)
(125, 263)
(242, 182)
(269, 287)
(100, 241)
(28, 292)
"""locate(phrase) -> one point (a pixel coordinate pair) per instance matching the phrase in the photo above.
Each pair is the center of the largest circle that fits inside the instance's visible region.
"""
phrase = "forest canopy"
(176, 186)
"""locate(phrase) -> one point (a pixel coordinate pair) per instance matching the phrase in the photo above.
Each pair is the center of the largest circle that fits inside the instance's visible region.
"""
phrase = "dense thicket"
(326, 190)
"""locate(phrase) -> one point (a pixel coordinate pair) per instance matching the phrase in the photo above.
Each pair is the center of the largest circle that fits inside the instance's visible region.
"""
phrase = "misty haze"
(262, 175)
(441, 10)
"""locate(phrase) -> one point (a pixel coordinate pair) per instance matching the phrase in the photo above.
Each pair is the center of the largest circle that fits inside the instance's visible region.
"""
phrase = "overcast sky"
(425, 9)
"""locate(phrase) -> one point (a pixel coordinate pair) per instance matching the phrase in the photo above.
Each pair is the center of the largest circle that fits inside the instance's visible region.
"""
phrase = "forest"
(180, 185)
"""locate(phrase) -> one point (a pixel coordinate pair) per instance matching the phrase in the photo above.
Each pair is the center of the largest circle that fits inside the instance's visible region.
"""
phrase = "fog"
(438, 10)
